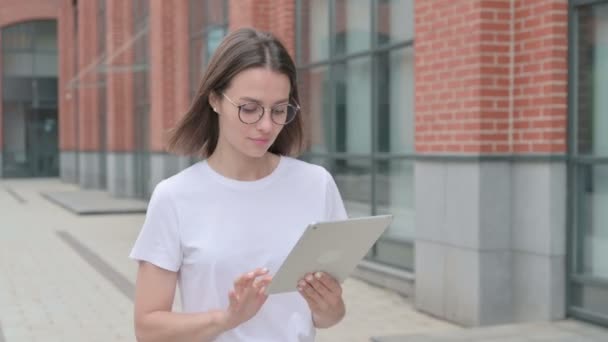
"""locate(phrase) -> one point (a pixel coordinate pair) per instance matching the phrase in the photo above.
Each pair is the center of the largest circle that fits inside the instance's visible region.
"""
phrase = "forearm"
(329, 320)
(162, 326)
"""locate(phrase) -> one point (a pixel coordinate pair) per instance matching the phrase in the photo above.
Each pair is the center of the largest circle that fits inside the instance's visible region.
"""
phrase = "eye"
(280, 110)
(250, 108)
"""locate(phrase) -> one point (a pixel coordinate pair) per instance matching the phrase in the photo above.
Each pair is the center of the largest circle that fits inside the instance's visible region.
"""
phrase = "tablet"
(333, 247)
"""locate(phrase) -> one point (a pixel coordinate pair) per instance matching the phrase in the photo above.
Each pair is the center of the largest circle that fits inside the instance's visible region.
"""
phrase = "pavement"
(66, 277)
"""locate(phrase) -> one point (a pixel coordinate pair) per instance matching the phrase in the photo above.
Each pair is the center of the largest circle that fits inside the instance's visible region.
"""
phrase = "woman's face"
(260, 85)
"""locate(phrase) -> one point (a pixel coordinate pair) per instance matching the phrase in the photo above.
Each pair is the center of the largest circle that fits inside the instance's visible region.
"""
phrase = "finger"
(330, 282)
(311, 302)
(254, 275)
(312, 294)
(319, 287)
(262, 294)
(232, 298)
(263, 281)
(241, 282)
(261, 271)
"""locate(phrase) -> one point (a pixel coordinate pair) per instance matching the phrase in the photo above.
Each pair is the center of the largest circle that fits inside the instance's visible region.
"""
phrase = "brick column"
(120, 105)
(168, 84)
(89, 147)
(276, 16)
(1, 117)
(68, 93)
(490, 86)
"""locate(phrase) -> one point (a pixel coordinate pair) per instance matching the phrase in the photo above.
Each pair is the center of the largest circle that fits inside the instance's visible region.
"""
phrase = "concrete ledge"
(568, 330)
(94, 202)
(390, 278)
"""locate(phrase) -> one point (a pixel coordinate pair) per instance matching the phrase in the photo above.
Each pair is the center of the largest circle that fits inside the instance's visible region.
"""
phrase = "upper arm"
(154, 289)
(335, 209)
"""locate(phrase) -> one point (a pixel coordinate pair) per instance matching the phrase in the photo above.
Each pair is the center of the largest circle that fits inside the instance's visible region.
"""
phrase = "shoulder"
(179, 182)
(305, 170)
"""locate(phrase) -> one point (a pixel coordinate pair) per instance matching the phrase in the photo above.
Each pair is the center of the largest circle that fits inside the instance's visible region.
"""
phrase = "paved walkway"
(66, 277)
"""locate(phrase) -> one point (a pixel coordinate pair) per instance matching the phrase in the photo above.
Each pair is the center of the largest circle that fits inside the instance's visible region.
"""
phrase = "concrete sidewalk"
(66, 277)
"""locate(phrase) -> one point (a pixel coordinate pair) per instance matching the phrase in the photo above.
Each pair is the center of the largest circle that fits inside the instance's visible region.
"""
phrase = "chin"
(255, 153)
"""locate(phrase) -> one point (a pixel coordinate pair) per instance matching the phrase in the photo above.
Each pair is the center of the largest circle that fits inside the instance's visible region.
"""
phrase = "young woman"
(223, 226)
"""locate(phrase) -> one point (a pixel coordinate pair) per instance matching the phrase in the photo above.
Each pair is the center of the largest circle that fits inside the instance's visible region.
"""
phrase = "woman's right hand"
(247, 297)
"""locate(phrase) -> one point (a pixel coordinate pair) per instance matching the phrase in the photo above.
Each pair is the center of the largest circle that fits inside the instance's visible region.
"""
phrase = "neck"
(241, 167)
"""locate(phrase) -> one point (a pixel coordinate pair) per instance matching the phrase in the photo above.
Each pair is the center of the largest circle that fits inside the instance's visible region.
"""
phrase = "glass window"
(592, 200)
(353, 178)
(45, 39)
(45, 64)
(395, 195)
(396, 101)
(29, 99)
(589, 165)
(352, 26)
(395, 21)
(208, 22)
(18, 64)
(353, 106)
(359, 99)
(314, 39)
(593, 81)
(592, 298)
(17, 37)
(314, 98)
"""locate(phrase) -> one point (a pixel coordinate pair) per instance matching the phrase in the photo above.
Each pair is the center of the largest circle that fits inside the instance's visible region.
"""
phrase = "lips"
(260, 141)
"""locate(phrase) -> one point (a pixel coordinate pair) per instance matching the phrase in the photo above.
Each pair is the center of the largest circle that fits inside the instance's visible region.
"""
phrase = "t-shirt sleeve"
(159, 241)
(334, 205)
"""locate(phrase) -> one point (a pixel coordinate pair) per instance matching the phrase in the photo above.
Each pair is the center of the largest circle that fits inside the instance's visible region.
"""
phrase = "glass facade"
(355, 61)
(29, 99)
(208, 24)
(589, 166)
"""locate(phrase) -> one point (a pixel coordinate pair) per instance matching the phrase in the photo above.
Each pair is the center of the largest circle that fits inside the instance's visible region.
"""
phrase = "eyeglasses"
(252, 112)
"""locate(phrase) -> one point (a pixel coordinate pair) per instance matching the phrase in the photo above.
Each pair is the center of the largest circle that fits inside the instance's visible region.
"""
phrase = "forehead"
(260, 83)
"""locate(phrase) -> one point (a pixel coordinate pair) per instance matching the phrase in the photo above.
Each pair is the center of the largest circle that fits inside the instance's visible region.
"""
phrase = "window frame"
(375, 157)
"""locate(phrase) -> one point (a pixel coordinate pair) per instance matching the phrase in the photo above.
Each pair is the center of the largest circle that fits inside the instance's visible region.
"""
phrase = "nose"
(265, 124)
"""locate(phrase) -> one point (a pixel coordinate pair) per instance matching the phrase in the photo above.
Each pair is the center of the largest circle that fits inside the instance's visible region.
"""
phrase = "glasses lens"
(284, 114)
(250, 112)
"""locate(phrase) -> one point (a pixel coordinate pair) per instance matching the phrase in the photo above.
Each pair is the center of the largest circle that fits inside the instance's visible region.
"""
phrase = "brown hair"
(197, 132)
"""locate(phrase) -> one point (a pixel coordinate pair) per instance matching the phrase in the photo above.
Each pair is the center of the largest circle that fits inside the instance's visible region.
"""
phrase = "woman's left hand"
(324, 296)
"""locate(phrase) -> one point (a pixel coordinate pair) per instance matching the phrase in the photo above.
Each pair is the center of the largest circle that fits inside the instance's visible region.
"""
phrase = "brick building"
(482, 125)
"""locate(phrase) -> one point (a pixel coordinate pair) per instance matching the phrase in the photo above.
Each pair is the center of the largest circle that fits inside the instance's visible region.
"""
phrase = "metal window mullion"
(345, 57)
(572, 263)
(580, 3)
(374, 105)
(330, 71)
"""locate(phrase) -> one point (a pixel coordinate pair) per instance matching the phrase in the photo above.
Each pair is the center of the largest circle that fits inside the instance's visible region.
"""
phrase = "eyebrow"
(251, 99)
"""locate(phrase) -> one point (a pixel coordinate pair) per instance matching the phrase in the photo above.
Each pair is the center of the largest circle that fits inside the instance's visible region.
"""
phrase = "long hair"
(197, 132)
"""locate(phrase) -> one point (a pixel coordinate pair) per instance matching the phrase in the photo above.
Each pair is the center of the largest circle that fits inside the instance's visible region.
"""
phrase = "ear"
(214, 100)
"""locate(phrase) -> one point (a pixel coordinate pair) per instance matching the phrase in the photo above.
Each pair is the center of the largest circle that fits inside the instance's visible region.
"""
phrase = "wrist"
(329, 319)
(221, 319)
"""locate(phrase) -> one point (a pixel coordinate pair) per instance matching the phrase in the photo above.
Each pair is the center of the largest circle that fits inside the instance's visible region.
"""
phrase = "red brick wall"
(67, 70)
(15, 11)
(541, 74)
(87, 80)
(470, 92)
(182, 60)
(168, 67)
(120, 116)
(276, 16)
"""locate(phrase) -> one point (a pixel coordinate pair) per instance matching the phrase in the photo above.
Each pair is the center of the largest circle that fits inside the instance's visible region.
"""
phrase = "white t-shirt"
(212, 229)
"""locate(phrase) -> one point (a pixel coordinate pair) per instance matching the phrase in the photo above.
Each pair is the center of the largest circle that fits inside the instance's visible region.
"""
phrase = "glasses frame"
(239, 106)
